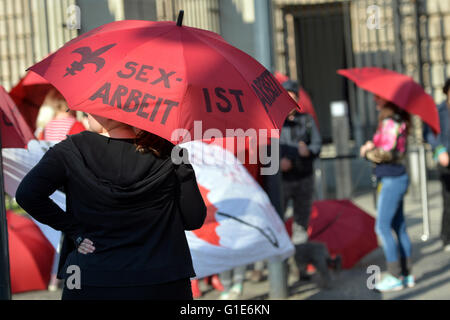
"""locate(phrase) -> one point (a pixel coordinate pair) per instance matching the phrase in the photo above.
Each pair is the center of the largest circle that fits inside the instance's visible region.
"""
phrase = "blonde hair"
(55, 99)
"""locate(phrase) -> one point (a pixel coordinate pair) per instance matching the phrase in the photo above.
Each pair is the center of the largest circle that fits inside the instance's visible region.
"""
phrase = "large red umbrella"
(344, 228)
(30, 254)
(397, 88)
(15, 133)
(29, 94)
(304, 100)
(161, 76)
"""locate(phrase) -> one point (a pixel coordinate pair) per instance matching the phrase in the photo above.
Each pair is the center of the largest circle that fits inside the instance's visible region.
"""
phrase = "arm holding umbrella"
(387, 137)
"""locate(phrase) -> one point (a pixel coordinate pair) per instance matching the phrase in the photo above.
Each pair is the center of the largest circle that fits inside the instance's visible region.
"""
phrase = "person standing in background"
(45, 115)
(300, 144)
(64, 122)
(387, 151)
(441, 147)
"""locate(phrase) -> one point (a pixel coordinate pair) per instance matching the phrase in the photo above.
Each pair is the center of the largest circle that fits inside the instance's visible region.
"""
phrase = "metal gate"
(29, 30)
(409, 36)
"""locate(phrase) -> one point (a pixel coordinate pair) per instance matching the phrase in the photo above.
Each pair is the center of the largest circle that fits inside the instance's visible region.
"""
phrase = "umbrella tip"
(180, 18)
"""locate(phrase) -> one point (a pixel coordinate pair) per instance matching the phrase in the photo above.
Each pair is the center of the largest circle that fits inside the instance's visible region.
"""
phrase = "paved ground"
(431, 265)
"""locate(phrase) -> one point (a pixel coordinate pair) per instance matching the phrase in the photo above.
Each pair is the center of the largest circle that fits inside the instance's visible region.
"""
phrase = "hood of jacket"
(111, 170)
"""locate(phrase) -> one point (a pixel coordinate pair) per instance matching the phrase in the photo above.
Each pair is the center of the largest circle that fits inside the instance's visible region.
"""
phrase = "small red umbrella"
(30, 254)
(397, 88)
(280, 77)
(15, 133)
(29, 94)
(344, 228)
(304, 100)
(162, 76)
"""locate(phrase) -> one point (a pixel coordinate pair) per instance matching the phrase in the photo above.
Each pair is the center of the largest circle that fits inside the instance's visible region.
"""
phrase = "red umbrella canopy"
(29, 94)
(398, 89)
(158, 76)
(15, 132)
(344, 228)
(305, 101)
(30, 254)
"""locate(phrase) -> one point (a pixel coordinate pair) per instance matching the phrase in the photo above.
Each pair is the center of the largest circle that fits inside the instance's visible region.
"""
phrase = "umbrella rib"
(327, 226)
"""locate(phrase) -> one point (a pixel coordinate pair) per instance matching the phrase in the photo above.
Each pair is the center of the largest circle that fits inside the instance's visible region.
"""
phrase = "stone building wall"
(412, 37)
(29, 30)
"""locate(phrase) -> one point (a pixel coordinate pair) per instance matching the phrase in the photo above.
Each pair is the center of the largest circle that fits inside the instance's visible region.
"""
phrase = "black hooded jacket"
(135, 208)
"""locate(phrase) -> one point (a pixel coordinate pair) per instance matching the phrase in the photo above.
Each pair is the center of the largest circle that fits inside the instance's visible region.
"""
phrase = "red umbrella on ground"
(29, 94)
(398, 89)
(344, 228)
(30, 254)
(15, 133)
(304, 100)
(162, 76)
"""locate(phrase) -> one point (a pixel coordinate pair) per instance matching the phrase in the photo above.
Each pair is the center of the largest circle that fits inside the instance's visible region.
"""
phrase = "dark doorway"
(321, 51)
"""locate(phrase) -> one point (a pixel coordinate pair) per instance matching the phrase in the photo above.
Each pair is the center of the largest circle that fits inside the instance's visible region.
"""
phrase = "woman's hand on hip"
(86, 247)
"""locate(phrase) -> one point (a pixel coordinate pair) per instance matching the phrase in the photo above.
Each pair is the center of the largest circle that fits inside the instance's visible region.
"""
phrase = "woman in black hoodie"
(127, 208)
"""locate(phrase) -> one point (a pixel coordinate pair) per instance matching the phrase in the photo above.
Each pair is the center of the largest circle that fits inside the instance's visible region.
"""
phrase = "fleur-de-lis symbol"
(88, 56)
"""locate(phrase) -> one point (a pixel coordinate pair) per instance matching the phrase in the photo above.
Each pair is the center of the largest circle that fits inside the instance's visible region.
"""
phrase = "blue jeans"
(390, 217)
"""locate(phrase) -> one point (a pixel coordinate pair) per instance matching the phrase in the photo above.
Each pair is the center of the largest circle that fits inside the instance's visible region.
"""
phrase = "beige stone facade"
(404, 27)
(410, 36)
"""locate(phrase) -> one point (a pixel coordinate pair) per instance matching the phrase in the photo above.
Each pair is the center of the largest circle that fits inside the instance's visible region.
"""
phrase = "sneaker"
(233, 294)
(54, 283)
(409, 281)
(236, 290)
(299, 234)
(389, 283)
(447, 248)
